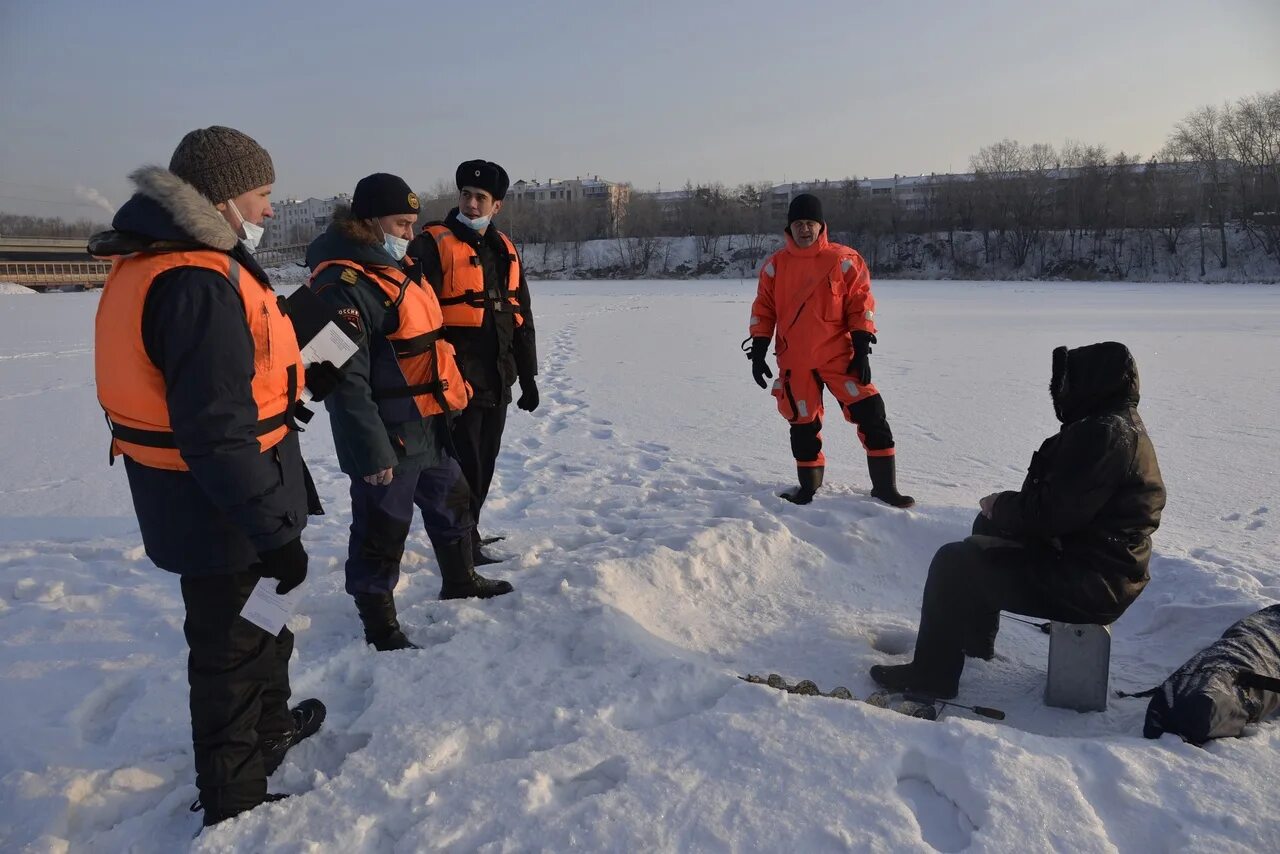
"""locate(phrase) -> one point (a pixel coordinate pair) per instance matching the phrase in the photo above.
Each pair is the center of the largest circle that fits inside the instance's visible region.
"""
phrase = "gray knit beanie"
(221, 163)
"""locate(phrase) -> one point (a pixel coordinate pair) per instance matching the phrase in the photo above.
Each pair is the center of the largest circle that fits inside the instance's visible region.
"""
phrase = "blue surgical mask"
(480, 223)
(395, 246)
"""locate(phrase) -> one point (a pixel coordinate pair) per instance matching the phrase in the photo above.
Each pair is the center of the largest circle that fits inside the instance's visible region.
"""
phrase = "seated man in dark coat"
(1072, 545)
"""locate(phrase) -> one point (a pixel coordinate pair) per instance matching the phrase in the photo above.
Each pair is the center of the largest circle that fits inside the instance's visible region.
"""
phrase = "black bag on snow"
(1224, 687)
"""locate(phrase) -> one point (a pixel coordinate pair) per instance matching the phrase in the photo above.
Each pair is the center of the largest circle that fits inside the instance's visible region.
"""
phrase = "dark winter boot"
(810, 479)
(884, 482)
(381, 628)
(307, 718)
(983, 648)
(459, 576)
(908, 678)
(478, 555)
(215, 811)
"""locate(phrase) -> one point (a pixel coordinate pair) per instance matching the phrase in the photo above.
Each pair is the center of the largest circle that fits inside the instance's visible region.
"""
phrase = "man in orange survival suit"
(815, 299)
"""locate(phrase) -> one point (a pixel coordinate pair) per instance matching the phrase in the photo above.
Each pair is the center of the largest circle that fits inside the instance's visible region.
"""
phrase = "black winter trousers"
(970, 582)
(477, 436)
(382, 515)
(239, 677)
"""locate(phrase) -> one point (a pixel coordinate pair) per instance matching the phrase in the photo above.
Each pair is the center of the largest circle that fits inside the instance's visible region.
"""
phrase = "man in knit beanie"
(814, 301)
(231, 170)
(199, 372)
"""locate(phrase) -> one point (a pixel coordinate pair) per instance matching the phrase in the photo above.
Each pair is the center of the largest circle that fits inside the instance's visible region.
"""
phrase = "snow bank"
(597, 707)
(11, 288)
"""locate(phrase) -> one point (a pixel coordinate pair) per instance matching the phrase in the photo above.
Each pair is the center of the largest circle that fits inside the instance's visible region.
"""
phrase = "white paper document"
(267, 609)
(331, 344)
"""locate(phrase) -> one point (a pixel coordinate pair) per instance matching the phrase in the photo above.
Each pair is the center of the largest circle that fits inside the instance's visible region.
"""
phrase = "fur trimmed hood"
(349, 238)
(355, 228)
(165, 212)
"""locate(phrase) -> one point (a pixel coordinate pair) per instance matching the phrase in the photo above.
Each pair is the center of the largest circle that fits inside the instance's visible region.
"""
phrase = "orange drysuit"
(810, 301)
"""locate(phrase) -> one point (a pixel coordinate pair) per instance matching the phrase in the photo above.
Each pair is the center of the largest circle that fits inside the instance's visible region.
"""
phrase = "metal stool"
(1079, 666)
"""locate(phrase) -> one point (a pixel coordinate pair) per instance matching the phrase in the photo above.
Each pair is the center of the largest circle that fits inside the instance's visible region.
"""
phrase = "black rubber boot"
(810, 479)
(307, 718)
(904, 678)
(381, 627)
(216, 812)
(478, 555)
(458, 573)
(884, 482)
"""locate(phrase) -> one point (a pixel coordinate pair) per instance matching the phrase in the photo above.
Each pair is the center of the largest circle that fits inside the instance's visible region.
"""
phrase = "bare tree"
(20, 225)
(1251, 129)
(1200, 137)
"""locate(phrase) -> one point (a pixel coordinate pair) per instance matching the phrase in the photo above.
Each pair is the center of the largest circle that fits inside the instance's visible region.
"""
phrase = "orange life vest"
(426, 360)
(463, 296)
(131, 388)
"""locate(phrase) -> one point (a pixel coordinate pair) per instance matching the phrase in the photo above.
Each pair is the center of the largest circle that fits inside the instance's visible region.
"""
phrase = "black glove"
(322, 378)
(759, 367)
(528, 394)
(288, 563)
(860, 366)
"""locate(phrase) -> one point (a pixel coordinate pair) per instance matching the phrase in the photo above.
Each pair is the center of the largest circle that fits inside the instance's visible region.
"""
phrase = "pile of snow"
(7, 288)
(286, 276)
(598, 707)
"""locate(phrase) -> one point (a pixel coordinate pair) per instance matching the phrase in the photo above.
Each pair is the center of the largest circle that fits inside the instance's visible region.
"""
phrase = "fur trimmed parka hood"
(349, 238)
(166, 213)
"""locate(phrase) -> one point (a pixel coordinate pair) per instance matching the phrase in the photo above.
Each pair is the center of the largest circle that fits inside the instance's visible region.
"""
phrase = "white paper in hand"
(330, 344)
(267, 609)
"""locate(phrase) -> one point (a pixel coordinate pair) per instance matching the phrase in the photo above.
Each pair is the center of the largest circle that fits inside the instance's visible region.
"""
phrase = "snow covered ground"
(598, 707)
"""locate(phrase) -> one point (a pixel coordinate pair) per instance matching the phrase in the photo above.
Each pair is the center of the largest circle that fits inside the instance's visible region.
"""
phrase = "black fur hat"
(483, 175)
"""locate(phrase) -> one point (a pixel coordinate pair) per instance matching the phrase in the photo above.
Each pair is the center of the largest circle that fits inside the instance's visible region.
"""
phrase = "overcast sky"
(657, 93)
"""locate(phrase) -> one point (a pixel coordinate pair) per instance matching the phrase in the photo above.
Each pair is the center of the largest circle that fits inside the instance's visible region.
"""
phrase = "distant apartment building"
(297, 221)
(910, 192)
(609, 197)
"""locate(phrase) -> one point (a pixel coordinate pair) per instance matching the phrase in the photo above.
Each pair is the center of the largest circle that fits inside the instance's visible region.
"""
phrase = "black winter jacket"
(364, 442)
(1094, 490)
(236, 501)
(493, 356)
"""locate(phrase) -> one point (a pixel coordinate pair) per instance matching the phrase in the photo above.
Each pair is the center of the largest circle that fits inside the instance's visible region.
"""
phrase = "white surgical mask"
(480, 223)
(395, 246)
(252, 233)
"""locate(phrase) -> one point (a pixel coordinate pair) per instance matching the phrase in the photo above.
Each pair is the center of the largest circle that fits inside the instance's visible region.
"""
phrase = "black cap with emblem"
(483, 175)
(383, 194)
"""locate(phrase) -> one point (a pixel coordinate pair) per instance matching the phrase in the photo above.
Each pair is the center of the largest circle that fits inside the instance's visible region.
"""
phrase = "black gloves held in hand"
(287, 563)
(757, 352)
(322, 378)
(528, 394)
(860, 365)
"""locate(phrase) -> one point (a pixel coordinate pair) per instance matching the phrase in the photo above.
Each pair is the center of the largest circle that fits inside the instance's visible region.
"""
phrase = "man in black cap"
(476, 272)
(814, 300)
(389, 414)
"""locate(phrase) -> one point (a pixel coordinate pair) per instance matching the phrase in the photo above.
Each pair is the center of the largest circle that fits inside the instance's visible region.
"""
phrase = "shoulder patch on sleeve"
(768, 270)
(352, 316)
(846, 265)
(349, 276)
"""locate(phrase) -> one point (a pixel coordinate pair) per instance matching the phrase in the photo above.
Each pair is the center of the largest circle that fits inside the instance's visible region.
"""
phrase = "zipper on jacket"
(266, 322)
